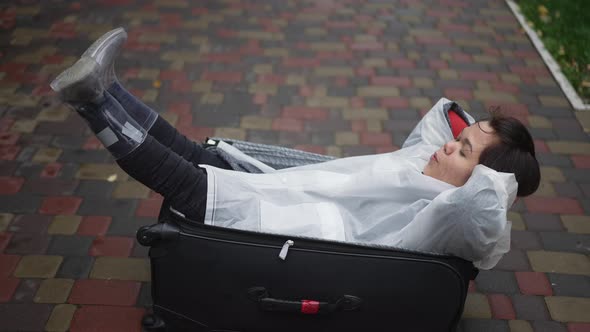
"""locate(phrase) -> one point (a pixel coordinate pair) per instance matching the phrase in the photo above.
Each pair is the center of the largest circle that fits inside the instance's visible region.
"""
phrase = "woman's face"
(454, 162)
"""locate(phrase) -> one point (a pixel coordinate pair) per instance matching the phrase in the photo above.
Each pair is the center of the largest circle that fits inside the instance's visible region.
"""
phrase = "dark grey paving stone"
(329, 125)
(577, 174)
(30, 223)
(213, 116)
(411, 92)
(567, 125)
(238, 102)
(492, 281)
(25, 317)
(518, 206)
(8, 167)
(530, 307)
(545, 90)
(467, 66)
(26, 153)
(484, 325)
(550, 159)
(525, 240)
(128, 226)
(145, 295)
(532, 101)
(542, 222)
(322, 138)
(586, 189)
(50, 187)
(68, 142)
(385, 71)
(26, 290)
(548, 326)
(68, 170)
(341, 91)
(34, 140)
(95, 188)
(477, 110)
(399, 137)
(20, 203)
(433, 92)
(552, 112)
(514, 260)
(75, 267)
(357, 150)
(571, 134)
(70, 127)
(444, 84)
(28, 244)
(290, 139)
(84, 156)
(568, 189)
(404, 114)
(568, 242)
(415, 72)
(139, 250)
(400, 126)
(70, 245)
(570, 285)
(114, 207)
(263, 136)
(543, 133)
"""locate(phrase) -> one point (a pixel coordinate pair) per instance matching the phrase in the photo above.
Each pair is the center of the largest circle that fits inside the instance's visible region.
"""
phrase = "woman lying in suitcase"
(447, 190)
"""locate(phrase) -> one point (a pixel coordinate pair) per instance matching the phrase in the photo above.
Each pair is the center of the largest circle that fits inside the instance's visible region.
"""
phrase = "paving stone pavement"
(338, 77)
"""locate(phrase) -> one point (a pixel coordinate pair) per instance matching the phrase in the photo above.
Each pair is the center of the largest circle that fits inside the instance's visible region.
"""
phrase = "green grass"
(564, 27)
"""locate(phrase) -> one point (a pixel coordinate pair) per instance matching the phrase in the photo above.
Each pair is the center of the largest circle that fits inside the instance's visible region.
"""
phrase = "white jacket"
(381, 199)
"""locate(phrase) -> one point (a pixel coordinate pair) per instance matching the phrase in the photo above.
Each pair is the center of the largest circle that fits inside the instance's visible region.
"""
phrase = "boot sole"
(104, 40)
(82, 70)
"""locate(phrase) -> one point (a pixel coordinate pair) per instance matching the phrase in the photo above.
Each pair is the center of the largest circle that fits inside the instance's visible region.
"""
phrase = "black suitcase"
(207, 278)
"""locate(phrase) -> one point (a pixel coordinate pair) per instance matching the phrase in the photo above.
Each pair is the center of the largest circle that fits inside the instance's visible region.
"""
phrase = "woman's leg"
(136, 152)
(170, 175)
(162, 131)
(104, 52)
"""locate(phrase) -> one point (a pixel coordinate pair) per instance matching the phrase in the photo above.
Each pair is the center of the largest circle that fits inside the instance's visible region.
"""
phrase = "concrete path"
(336, 77)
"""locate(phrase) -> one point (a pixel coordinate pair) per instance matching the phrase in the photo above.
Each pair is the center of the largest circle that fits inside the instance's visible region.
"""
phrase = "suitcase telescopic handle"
(266, 303)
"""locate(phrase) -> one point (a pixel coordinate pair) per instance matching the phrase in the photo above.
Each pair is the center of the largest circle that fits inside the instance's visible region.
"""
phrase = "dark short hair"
(515, 153)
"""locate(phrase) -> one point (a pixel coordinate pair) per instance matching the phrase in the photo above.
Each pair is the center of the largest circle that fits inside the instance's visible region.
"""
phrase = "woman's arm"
(468, 222)
(437, 127)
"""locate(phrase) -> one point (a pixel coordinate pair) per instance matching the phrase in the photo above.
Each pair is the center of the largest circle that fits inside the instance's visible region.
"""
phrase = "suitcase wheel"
(153, 323)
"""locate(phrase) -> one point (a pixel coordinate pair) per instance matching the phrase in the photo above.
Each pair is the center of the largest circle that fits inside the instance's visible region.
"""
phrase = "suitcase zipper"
(285, 249)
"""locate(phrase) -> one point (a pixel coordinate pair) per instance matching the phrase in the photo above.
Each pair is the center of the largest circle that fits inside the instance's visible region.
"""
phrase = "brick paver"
(342, 77)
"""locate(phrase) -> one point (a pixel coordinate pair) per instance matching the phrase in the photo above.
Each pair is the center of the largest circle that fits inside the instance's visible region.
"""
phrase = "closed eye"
(465, 143)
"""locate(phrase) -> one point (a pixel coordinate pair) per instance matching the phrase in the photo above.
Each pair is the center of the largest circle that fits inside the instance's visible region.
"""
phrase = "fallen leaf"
(542, 10)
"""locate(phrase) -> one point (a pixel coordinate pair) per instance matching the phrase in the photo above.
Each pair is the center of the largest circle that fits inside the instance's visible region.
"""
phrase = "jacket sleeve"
(468, 222)
(434, 128)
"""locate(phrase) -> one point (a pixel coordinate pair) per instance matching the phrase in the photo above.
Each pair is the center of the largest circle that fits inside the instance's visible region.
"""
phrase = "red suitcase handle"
(261, 296)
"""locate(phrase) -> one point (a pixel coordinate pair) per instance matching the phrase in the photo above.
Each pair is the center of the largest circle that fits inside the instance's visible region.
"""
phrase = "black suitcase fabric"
(207, 278)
